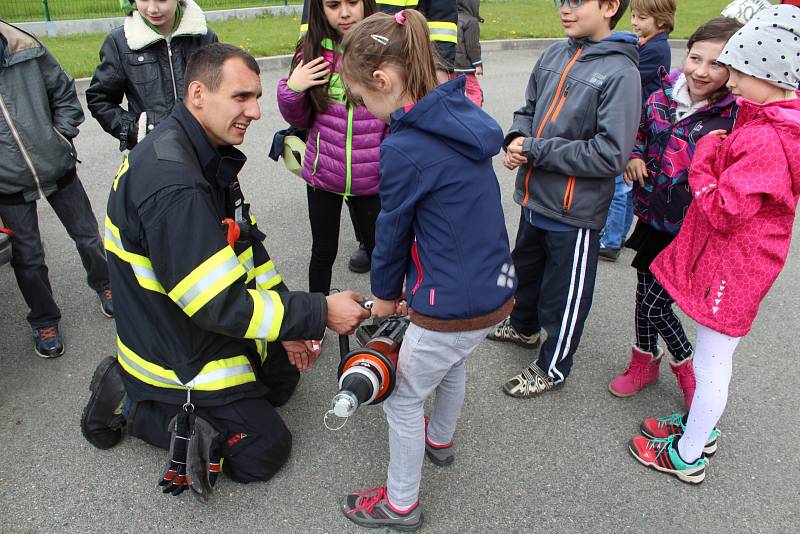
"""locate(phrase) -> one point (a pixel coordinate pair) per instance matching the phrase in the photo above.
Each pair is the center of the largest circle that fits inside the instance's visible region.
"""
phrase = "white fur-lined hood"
(139, 35)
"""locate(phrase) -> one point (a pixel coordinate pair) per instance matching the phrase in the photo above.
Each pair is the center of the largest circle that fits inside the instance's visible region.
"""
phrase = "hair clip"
(400, 17)
(380, 38)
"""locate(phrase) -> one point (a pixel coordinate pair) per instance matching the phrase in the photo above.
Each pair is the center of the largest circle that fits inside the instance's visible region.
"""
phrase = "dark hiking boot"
(102, 420)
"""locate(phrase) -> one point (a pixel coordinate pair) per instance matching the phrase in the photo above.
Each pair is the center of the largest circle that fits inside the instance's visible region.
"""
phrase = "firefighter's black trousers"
(257, 440)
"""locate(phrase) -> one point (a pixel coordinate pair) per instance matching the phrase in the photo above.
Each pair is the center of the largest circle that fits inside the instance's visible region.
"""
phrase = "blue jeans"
(620, 215)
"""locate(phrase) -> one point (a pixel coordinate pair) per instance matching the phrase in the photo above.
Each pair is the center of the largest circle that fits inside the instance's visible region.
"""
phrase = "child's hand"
(722, 134)
(307, 75)
(383, 308)
(514, 157)
(635, 171)
(479, 70)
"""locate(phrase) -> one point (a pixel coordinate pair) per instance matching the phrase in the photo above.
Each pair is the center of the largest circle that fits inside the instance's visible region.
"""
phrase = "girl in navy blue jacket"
(441, 230)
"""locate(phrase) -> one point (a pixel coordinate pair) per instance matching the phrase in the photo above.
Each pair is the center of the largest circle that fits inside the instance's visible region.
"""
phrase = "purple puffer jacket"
(344, 144)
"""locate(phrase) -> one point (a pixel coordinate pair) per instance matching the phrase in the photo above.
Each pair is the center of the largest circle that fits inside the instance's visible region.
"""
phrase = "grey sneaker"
(506, 332)
(441, 455)
(531, 382)
(371, 509)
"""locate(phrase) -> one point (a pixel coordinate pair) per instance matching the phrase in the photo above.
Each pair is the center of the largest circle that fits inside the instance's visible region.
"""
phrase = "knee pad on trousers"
(260, 458)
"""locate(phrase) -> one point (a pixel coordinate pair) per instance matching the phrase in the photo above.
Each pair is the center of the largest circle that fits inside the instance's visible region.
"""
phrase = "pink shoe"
(684, 372)
(642, 371)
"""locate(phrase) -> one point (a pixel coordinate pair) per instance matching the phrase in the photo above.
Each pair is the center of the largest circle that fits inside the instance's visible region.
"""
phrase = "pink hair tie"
(400, 17)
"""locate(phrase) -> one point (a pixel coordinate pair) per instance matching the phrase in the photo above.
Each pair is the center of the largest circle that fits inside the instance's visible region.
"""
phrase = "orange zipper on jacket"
(549, 111)
(554, 118)
(569, 193)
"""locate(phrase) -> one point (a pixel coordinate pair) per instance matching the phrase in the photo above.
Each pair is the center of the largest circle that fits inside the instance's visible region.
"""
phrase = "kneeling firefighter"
(204, 321)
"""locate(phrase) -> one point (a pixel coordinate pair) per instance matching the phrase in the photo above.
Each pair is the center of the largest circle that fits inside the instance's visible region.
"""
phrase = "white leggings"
(713, 366)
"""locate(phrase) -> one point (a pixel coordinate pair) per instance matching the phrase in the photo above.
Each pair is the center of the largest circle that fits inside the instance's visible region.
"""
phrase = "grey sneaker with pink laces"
(371, 509)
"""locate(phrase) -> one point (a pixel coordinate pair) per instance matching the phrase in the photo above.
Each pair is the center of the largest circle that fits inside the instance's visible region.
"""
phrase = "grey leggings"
(429, 362)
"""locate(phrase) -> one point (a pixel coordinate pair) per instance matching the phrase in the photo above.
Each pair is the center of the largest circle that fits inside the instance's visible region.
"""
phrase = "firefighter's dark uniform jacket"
(191, 312)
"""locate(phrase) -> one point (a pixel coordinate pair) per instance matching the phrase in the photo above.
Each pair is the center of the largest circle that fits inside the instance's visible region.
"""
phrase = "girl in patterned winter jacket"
(693, 101)
(736, 234)
(342, 158)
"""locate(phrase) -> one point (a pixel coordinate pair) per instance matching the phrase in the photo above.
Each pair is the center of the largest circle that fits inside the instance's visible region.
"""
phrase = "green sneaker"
(662, 455)
(675, 425)
(372, 509)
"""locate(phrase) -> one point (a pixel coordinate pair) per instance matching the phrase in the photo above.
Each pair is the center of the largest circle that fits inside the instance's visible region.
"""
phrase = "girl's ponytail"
(420, 66)
(401, 40)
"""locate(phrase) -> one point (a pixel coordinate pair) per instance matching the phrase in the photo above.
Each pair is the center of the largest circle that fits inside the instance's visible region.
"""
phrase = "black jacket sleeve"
(105, 93)
(202, 275)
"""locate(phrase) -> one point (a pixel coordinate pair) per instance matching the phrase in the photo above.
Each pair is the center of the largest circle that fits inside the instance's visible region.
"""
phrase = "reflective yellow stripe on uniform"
(215, 375)
(141, 265)
(267, 276)
(246, 260)
(261, 347)
(267, 315)
(446, 32)
(207, 281)
(398, 3)
(123, 168)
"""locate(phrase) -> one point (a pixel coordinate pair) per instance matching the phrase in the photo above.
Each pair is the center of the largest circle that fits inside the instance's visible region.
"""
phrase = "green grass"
(513, 18)
(262, 36)
(32, 10)
(268, 36)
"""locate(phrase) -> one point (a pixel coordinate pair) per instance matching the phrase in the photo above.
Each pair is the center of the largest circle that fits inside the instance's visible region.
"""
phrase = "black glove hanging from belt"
(195, 459)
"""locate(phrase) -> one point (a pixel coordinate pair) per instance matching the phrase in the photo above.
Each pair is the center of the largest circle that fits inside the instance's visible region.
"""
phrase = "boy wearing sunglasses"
(568, 142)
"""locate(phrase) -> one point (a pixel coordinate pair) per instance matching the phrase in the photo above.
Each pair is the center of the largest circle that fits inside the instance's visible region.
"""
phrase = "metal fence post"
(46, 11)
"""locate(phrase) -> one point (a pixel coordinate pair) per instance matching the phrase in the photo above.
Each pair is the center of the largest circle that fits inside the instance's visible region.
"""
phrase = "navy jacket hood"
(441, 228)
(446, 113)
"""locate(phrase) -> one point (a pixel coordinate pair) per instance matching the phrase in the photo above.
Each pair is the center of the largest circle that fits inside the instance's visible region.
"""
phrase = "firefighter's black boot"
(102, 420)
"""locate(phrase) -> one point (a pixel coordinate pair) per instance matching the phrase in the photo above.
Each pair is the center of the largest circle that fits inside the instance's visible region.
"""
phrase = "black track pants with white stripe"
(555, 275)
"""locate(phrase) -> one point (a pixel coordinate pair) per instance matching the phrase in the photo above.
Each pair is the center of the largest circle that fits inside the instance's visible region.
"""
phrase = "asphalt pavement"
(558, 463)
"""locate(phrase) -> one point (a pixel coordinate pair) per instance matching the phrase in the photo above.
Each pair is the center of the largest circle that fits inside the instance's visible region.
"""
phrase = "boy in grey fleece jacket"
(568, 142)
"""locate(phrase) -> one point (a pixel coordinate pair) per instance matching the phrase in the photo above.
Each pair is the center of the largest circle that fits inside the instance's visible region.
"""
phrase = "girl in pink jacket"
(736, 234)
(342, 157)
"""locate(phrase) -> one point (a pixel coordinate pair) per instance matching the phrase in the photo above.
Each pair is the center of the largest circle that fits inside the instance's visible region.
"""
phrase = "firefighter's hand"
(345, 312)
(514, 157)
(301, 354)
